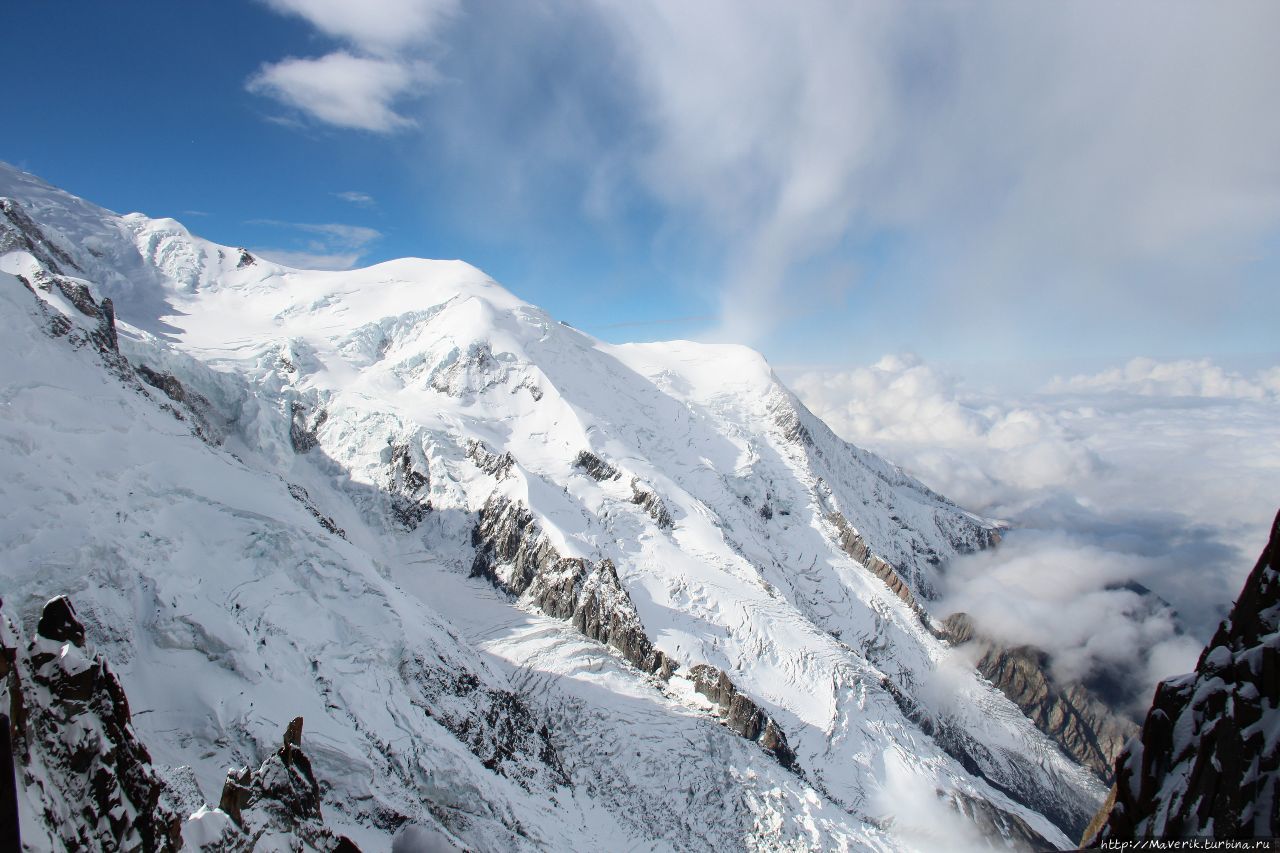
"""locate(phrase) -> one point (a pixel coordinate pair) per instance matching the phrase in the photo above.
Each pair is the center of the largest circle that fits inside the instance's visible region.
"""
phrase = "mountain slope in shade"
(1207, 763)
(529, 590)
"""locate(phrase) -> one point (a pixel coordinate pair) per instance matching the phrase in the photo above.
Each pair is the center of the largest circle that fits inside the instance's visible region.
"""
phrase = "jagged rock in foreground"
(277, 803)
(1076, 719)
(1207, 763)
(85, 780)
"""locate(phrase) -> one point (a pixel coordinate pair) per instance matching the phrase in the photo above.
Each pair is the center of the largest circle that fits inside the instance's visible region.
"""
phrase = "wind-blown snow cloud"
(320, 246)
(1164, 474)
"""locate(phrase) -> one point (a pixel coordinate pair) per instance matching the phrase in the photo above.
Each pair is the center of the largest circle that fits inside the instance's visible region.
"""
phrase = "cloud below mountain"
(1154, 473)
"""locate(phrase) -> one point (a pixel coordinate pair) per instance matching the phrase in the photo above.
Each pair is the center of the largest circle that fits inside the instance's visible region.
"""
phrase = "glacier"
(529, 590)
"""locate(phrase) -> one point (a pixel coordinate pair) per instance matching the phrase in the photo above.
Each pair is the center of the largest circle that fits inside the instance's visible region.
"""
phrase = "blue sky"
(1008, 188)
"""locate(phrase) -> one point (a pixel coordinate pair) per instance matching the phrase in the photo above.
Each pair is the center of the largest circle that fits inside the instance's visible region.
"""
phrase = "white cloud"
(1164, 474)
(341, 89)
(311, 260)
(372, 25)
(359, 199)
(1021, 146)
(1151, 378)
(985, 455)
(321, 246)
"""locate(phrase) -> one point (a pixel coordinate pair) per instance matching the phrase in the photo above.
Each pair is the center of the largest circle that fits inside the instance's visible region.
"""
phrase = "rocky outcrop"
(205, 421)
(647, 498)
(995, 823)
(595, 467)
(304, 427)
(494, 464)
(300, 495)
(101, 335)
(88, 779)
(280, 801)
(741, 714)
(1082, 725)
(19, 233)
(512, 552)
(78, 761)
(409, 486)
(1207, 762)
(852, 543)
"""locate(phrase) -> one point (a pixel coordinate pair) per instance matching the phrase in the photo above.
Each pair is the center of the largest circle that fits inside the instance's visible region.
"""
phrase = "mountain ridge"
(332, 439)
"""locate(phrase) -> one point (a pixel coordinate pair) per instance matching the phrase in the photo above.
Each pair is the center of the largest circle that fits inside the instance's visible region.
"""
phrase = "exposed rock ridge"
(852, 543)
(494, 464)
(515, 556)
(646, 497)
(19, 233)
(408, 486)
(1207, 762)
(595, 467)
(1069, 713)
(742, 715)
(996, 823)
(300, 495)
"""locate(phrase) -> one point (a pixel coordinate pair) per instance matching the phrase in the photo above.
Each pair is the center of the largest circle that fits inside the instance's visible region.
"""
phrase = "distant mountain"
(527, 589)
(1207, 763)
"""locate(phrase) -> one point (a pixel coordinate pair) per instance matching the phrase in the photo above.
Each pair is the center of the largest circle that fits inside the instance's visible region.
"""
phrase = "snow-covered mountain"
(528, 590)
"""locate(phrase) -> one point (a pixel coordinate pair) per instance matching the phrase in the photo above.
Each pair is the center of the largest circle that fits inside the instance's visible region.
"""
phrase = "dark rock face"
(1208, 760)
(300, 495)
(304, 426)
(73, 742)
(852, 543)
(409, 487)
(647, 498)
(996, 823)
(595, 467)
(742, 715)
(513, 554)
(494, 464)
(1077, 720)
(19, 233)
(246, 259)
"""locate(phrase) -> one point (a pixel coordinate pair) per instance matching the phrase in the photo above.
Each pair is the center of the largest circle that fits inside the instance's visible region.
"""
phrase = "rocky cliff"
(1207, 762)
(1081, 723)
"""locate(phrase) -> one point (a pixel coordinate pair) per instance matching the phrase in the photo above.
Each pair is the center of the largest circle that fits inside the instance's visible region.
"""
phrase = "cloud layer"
(1160, 474)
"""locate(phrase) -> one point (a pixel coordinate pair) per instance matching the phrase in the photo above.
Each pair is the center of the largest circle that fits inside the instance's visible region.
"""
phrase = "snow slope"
(269, 504)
